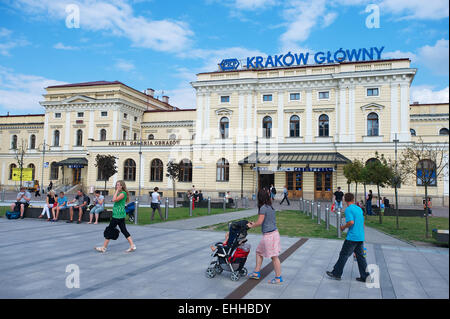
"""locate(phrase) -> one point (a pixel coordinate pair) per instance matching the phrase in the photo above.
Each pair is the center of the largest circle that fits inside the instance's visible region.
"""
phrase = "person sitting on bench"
(22, 201)
(62, 204)
(83, 202)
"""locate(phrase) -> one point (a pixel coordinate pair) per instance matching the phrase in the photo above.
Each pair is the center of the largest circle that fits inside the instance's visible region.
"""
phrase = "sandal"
(100, 249)
(255, 275)
(131, 249)
(274, 281)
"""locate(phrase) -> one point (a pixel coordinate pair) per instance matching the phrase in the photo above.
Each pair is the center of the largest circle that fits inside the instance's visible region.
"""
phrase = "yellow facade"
(113, 118)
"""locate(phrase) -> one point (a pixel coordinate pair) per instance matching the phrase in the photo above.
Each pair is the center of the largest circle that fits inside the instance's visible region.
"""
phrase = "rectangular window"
(324, 95)
(104, 113)
(125, 115)
(57, 115)
(372, 92)
(225, 99)
(80, 114)
(294, 96)
(267, 97)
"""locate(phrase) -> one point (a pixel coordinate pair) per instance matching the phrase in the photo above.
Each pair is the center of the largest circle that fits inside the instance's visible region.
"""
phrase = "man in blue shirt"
(354, 241)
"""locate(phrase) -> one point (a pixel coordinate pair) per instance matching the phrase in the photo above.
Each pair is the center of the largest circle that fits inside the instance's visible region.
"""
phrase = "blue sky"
(164, 44)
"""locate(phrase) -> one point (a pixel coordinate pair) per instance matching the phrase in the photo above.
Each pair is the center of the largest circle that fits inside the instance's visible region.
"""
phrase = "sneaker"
(69, 221)
(332, 276)
(131, 249)
(100, 249)
(361, 279)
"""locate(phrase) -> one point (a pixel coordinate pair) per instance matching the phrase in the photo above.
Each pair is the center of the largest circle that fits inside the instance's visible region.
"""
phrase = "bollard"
(327, 216)
(166, 208)
(235, 202)
(136, 204)
(209, 205)
(338, 223)
(312, 209)
(300, 205)
(190, 207)
(224, 204)
(319, 214)
(3, 195)
(306, 207)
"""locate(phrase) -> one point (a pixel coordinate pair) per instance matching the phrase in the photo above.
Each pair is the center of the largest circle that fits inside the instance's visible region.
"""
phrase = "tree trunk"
(356, 192)
(426, 210)
(105, 186)
(174, 197)
(396, 204)
(379, 206)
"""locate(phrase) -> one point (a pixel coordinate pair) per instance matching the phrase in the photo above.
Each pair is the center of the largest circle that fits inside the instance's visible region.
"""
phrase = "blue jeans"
(347, 250)
(337, 205)
(97, 209)
(369, 207)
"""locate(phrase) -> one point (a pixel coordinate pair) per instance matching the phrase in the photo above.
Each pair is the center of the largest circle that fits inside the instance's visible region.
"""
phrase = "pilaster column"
(309, 119)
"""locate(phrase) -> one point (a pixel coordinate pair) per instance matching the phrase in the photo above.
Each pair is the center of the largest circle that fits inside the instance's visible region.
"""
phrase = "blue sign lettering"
(229, 64)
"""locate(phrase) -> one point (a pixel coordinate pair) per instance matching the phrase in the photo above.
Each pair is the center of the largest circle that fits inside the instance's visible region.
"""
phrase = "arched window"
(294, 126)
(412, 131)
(54, 171)
(223, 127)
(11, 167)
(14, 142)
(372, 124)
(443, 131)
(32, 142)
(185, 171)
(79, 138)
(33, 170)
(129, 170)
(324, 125)
(56, 138)
(223, 170)
(156, 170)
(267, 127)
(151, 137)
(426, 173)
(102, 134)
(371, 160)
(124, 135)
(135, 136)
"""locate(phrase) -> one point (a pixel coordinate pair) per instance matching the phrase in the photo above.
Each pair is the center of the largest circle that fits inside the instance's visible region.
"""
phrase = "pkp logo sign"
(229, 64)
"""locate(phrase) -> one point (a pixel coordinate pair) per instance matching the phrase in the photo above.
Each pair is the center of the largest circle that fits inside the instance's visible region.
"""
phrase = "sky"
(163, 44)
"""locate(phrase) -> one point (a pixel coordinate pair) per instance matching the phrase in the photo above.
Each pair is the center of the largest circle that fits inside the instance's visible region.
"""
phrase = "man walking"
(354, 241)
(285, 195)
(338, 195)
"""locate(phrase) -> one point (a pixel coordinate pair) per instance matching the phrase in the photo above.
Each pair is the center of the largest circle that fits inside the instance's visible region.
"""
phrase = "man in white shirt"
(22, 201)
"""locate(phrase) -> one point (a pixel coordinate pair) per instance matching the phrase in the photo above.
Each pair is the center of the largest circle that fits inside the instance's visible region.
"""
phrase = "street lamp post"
(42, 176)
(396, 180)
(139, 182)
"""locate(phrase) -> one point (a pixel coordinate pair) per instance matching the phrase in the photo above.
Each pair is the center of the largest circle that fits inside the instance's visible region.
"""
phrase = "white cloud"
(416, 9)
(124, 65)
(435, 57)
(118, 19)
(21, 93)
(426, 94)
(400, 55)
(61, 46)
(7, 42)
(253, 4)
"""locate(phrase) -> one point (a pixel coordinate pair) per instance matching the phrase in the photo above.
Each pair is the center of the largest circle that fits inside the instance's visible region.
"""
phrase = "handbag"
(111, 233)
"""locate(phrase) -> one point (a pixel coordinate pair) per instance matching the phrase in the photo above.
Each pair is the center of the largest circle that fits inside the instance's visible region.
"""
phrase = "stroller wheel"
(210, 273)
(218, 269)
(243, 272)
(234, 276)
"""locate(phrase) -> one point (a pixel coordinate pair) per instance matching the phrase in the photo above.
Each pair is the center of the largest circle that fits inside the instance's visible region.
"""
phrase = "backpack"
(274, 190)
(88, 201)
(12, 215)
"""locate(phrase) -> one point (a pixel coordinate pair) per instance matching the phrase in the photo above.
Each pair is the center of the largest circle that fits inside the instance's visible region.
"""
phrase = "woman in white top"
(156, 200)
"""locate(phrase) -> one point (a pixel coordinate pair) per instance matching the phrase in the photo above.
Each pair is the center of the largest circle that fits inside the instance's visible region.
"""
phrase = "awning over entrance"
(293, 158)
(74, 162)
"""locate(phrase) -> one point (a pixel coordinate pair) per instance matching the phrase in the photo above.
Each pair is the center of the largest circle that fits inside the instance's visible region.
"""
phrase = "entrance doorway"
(76, 176)
(294, 182)
(265, 180)
(323, 185)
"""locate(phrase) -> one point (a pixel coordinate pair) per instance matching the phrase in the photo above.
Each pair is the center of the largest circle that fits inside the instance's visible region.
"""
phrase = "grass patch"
(291, 223)
(176, 214)
(410, 228)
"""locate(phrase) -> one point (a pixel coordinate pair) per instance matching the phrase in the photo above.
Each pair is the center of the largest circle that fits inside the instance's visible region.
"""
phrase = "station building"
(288, 126)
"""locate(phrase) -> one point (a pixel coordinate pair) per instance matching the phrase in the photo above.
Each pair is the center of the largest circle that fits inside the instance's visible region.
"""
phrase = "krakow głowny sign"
(294, 59)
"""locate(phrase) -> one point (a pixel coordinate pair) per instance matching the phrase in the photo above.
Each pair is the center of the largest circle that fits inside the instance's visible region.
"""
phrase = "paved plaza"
(171, 259)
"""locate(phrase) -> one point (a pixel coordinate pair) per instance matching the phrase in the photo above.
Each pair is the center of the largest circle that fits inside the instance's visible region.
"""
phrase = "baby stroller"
(232, 255)
(129, 210)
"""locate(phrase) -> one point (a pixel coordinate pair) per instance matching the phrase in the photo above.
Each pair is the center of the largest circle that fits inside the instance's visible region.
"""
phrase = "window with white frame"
(267, 98)
(373, 92)
(324, 95)
(225, 99)
(294, 97)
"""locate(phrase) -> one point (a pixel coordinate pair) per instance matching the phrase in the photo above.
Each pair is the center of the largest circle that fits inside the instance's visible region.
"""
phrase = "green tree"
(106, 165)
(426, 163)
(398, 176)
(353, 173)
(378, 173)
(173, 172)
(19, 153)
